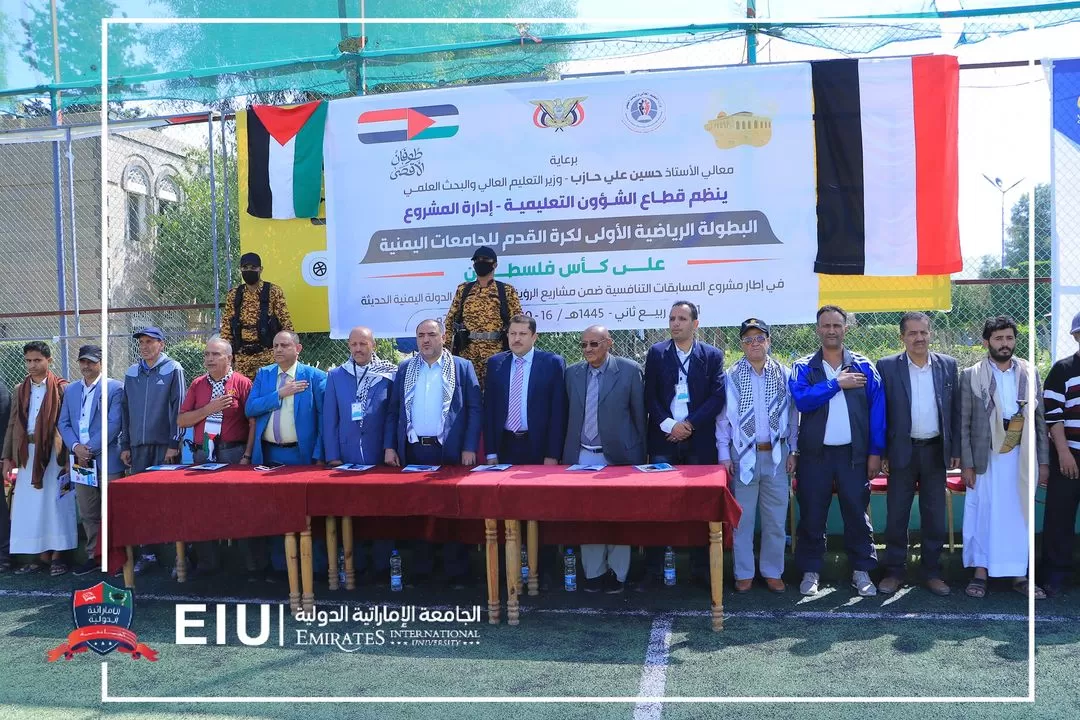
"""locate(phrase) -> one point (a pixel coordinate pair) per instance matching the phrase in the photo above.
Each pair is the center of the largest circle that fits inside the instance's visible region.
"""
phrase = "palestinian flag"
(285, 154)
(887, 177)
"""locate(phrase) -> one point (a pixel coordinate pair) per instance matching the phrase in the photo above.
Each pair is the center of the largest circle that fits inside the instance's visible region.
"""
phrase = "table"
(618, 504)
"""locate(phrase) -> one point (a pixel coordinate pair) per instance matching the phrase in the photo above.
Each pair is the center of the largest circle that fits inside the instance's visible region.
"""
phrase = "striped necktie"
(513, 414)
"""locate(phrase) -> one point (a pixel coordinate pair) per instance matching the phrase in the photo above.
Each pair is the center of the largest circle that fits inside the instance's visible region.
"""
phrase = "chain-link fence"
(173, 217)
(1064, 205)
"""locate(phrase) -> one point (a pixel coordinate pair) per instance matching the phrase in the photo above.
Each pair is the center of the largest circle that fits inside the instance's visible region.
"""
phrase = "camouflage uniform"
(481, 316)
(245, 364)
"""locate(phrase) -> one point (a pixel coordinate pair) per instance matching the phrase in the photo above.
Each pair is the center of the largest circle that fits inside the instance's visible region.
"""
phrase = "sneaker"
(809, 584)
(593, 585)
(86, 568)
(612, 585)
(860, 580)
(145, 563)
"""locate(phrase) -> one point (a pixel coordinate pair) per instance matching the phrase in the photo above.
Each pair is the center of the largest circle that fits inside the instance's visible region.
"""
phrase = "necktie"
(590, 428)
(513, 414)
(282, 379)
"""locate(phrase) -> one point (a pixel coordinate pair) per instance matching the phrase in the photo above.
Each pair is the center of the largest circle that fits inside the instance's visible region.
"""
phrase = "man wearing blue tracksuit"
(841, 439)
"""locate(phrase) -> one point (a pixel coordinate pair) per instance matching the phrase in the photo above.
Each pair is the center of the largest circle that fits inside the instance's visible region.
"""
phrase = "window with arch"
(168, 194)
(137, 203)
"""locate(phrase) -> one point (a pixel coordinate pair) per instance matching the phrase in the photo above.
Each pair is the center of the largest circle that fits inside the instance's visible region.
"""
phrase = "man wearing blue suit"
(684, 392)
(80, 426)
(435, 413)
(286, 401)
(354, 422)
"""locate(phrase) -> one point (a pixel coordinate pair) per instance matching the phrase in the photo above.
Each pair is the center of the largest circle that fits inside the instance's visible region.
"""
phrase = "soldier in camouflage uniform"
(482, 317)
(252, 349)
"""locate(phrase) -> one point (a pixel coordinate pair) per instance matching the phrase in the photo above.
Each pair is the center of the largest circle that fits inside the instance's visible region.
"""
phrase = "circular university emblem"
(644, 112)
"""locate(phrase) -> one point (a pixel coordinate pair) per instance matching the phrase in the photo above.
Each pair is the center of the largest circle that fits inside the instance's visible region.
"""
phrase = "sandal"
(976, 588)
(34, 567)
(58, 568)
(1024, 587)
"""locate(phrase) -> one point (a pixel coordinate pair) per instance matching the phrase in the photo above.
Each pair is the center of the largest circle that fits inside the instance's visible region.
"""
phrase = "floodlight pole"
(58, 218)
(751, 33)
(996, 182)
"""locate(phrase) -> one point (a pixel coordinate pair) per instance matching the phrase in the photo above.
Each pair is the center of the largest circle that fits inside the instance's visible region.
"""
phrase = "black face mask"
(250, 276)
(483, 268)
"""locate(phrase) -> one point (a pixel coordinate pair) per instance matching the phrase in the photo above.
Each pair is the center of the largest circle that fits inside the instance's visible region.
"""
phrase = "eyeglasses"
(755, 340)
(591, 344)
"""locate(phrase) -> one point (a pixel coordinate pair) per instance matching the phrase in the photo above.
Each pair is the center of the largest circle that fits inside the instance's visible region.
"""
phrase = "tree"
(183, 271)
(1016, 234)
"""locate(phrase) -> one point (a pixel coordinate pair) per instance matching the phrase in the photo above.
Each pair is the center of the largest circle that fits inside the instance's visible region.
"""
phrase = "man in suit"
(525, 410)
(5, 514)
(998, 432)
(80, 426)
(435, 413)
(605, 425)
(684, 392)
(841, 439)
(922, 439)
(355, 428)
(286, 401)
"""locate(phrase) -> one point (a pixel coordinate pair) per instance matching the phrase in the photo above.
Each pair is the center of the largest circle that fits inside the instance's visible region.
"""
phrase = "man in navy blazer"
(80, 426)
(435, 413)
(684, 392)
(355, 428)
(531, 382)
(286, 401)
(922, 441)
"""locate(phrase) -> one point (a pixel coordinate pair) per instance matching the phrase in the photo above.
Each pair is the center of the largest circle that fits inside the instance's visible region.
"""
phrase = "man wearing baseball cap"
(80, 426)
(480, 314)
(255, 311)
(756, 439)
(1061, 398)
(153, 392)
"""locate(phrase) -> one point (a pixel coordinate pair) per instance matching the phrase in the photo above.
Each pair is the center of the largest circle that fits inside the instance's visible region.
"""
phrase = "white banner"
(605, 198)
(1065, 208)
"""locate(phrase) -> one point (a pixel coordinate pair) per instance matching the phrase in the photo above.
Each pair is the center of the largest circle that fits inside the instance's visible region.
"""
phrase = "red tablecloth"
(615, 505)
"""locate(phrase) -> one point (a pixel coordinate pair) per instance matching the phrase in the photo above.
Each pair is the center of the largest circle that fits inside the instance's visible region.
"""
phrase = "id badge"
(212, 427)
(682, 392)
(84, 428)
(357, 410)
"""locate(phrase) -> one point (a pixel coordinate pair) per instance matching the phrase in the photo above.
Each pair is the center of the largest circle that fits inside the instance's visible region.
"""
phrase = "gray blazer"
(897, 379)
(975, 426)
(620, 414)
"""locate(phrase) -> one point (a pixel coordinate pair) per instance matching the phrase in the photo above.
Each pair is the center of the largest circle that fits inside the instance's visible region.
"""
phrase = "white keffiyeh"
(449, 380)
(741, 406)
(377, 369)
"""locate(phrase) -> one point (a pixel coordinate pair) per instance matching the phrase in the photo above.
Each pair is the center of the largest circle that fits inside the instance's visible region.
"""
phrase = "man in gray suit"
(606, 425)
(922, 399)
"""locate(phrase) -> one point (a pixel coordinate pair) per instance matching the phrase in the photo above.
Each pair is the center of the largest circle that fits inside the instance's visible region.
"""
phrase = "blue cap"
(150, 332)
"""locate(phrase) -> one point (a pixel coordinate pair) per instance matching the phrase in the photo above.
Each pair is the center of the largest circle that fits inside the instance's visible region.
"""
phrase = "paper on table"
(586, 467)
(209, 466)
(353, 467)
(492, 468)
(166, 467)
(655, 467)
(420, 468)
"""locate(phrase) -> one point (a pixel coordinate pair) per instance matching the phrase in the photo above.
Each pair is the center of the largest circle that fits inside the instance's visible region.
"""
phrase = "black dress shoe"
(593, 585)
(612, 585)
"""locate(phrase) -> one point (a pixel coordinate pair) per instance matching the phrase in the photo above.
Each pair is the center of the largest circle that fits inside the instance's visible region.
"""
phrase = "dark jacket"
(897, 381)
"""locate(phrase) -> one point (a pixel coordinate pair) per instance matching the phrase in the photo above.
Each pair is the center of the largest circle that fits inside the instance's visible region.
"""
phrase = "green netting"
(205, 62)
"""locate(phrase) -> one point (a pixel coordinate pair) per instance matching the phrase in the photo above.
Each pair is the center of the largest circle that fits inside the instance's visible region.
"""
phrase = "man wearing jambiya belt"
(998, 429)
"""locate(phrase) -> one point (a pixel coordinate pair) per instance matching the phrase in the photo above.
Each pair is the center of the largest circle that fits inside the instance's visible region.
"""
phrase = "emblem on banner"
(644, 112)
(559, 113)
(102, 615)
(742, 128)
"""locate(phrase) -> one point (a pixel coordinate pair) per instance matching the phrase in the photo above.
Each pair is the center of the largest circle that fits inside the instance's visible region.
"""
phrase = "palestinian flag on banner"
(887, 166)
(285, 154)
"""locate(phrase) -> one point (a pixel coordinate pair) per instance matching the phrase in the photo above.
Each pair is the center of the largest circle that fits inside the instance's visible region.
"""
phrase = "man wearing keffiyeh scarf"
(756, 440)
(435, 419)
(357, 395)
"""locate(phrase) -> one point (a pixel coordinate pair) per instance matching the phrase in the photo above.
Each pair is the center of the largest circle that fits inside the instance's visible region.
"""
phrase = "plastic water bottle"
(341, 567)
(395, 571)
(669, 566)
(570, 571)
(524, 565)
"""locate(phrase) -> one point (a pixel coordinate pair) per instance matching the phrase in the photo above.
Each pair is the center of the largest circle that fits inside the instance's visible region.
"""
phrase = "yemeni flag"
(887, 166)
(285, 154)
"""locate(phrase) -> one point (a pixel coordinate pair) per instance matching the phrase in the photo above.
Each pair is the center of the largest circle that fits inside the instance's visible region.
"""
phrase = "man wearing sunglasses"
(605, 425)
(684, 392)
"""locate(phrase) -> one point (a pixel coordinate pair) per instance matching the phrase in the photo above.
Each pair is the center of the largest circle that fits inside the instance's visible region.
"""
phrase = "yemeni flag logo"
(429, 122)
(103, 615)
(285, 154)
